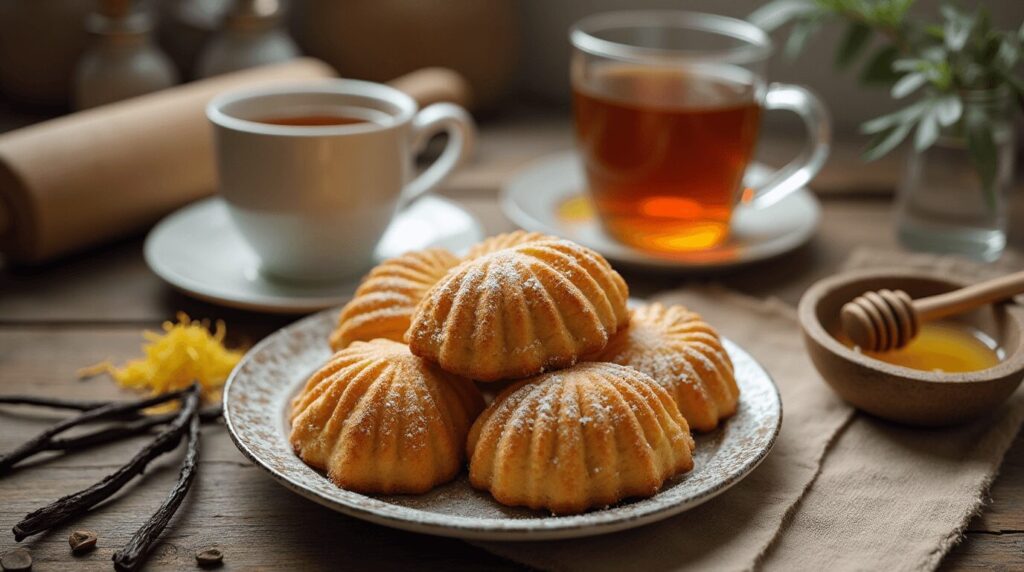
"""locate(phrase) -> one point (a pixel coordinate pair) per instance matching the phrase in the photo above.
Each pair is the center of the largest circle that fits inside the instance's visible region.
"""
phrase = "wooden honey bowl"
(896, 393)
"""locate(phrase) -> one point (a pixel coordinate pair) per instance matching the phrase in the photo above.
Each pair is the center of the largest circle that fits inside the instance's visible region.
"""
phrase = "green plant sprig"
(944, 62)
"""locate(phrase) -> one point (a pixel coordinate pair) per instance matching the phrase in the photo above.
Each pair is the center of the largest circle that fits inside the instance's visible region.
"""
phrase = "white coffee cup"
(313, 201)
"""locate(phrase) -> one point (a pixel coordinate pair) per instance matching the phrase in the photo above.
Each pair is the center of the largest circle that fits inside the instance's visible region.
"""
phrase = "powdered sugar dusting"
(653, 347)
(490, 311)
(393, 410)
(256, 404)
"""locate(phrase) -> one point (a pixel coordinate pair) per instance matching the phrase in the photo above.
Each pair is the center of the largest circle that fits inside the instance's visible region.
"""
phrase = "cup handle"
(801, 170)
(461, 140)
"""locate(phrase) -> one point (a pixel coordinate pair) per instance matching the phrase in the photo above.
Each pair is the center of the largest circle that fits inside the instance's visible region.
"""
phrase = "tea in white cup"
(313, 174)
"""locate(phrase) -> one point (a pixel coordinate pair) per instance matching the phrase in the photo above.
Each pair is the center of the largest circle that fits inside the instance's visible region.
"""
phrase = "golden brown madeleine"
(684, 354)
(520, 311)
(588, 436)
(506, 240)
(383, 304)
(378, 419)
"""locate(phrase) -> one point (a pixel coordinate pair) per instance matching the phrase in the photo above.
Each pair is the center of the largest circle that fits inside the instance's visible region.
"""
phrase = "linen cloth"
(841, 491)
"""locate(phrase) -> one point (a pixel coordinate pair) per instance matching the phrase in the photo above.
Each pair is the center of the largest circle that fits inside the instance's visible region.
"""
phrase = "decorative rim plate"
(536, 197)
(198, 251)
(260, 388)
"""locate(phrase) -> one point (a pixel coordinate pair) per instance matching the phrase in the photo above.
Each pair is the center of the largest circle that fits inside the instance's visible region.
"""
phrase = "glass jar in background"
(251, 36)
(943, 204)
(123, 61)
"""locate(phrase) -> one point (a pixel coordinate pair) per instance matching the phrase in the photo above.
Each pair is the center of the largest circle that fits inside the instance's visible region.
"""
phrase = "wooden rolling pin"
(888, 319)
(104, 173)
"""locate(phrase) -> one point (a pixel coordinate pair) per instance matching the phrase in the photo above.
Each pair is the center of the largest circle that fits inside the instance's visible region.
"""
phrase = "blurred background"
(545, 55)
(511, 62)
(511, 51)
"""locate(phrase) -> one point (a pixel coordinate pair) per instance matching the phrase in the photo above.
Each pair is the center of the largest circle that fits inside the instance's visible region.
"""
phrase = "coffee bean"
(209, 557)
(82, 541)
(17, 559)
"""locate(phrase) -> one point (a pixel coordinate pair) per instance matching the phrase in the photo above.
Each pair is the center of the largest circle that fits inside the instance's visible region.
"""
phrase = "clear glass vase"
(943, 204)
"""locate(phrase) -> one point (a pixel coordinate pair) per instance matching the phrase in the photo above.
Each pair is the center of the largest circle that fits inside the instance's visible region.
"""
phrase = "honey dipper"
(884, 320)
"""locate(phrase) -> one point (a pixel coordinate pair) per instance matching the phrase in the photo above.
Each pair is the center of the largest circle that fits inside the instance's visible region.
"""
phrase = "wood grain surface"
(57, 318)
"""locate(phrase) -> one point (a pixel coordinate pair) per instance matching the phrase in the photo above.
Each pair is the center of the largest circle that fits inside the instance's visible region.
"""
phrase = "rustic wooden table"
(58, 318)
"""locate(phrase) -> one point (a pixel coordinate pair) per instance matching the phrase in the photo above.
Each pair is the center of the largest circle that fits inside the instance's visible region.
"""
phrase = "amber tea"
(665, 151)
(313, 120)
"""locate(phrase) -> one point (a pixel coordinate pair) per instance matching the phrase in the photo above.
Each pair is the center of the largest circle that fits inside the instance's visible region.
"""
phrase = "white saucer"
(533, 198)
(198, 251)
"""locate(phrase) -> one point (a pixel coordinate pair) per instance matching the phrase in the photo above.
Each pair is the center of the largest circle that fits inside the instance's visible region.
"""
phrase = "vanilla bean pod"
(129, 429)
(77, 503)
(134, 553)
(211, 413)
(110, 433)
(55, 402)
(108, 411)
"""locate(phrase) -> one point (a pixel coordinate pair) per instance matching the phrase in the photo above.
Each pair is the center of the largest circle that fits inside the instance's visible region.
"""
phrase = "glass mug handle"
(801, 170)
(461, 130)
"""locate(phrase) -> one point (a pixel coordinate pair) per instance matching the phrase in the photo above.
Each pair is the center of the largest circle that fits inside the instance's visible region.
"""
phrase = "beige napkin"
(886, 496)
(892, 495)
(732, 531)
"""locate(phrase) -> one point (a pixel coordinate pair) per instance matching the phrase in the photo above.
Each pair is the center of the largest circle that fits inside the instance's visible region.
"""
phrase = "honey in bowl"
(947, 347)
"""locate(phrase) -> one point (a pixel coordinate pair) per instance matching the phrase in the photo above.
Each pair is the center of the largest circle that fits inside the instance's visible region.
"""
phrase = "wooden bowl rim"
(1012, 364)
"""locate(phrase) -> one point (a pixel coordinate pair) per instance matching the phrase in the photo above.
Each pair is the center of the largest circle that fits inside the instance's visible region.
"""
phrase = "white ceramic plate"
(258, 392)
(198, 251)
(533, 199)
